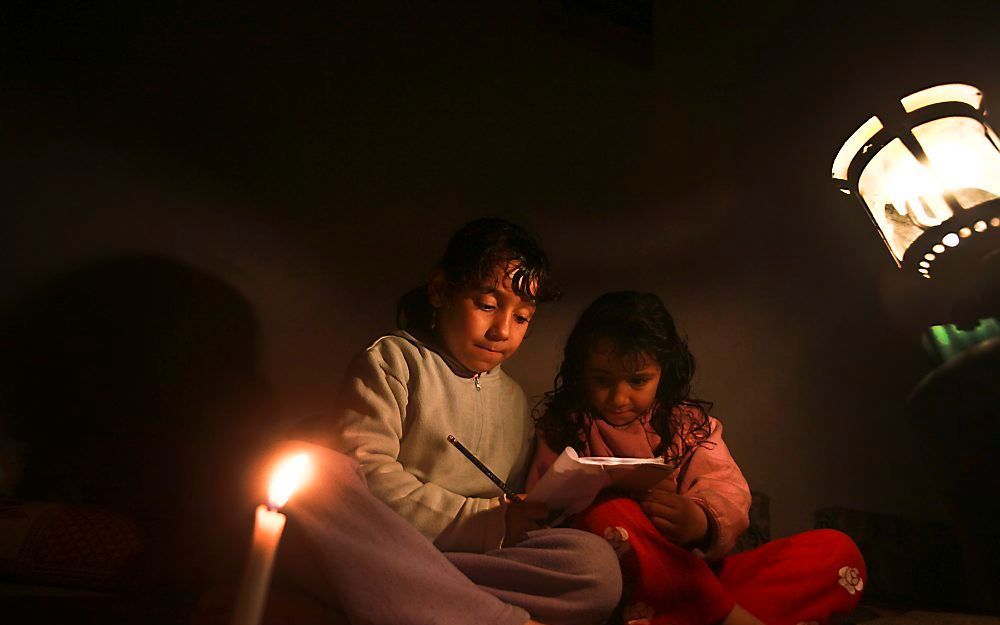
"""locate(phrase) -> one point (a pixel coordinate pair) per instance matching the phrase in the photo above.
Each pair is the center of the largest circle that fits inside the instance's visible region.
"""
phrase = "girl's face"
(621, 389)
(481, 327)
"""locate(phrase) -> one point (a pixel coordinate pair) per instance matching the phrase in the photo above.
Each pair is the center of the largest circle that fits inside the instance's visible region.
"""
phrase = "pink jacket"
(708, 475)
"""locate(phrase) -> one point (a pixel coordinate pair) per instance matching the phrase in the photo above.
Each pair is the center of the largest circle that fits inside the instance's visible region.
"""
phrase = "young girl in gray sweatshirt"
(441, 375)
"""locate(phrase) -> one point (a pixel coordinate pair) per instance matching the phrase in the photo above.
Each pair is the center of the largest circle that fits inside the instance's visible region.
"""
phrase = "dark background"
(315, 158)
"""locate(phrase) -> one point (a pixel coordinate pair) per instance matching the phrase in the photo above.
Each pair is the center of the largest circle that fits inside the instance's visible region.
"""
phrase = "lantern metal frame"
(979, 220)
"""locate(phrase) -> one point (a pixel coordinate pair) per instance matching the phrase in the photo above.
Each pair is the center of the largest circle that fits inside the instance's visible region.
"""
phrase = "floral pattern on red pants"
(802, 578)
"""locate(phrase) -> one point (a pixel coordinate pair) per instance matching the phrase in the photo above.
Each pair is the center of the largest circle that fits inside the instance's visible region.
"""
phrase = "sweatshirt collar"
(421, 339)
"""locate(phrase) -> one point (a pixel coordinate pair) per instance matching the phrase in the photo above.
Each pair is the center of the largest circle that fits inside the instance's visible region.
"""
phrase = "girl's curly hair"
(636, 324)
(472, 257)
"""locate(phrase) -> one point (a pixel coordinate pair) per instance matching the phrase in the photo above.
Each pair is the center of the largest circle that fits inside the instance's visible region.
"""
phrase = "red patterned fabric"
(804, 578)
(73, 546)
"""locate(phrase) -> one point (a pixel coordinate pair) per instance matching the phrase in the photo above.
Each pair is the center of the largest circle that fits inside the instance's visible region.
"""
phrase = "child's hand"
(523, 517)
(678, 518)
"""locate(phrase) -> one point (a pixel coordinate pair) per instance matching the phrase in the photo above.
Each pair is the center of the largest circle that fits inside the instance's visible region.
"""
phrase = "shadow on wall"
(134, 384)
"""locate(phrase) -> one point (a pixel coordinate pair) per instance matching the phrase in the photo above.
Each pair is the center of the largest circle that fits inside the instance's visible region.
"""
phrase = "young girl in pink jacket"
(624, 390)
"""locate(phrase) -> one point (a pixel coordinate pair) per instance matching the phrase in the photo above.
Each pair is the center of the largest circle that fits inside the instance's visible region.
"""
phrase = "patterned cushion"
(911, 564)
(60, 545)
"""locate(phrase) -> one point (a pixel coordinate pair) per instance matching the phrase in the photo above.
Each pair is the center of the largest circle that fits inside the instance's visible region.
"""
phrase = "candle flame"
(286, 479)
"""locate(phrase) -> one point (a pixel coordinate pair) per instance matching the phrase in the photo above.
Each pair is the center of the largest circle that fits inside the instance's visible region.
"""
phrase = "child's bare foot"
(739, 616)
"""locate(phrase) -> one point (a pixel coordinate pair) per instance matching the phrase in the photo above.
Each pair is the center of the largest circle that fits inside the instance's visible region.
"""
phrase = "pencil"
(486, 471)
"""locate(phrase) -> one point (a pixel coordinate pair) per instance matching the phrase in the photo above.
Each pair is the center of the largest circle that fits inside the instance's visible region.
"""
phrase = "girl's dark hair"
(472, 257)
(636, 325)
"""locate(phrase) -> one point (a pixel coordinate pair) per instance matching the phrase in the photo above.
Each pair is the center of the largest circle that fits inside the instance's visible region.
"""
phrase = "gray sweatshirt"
(400, 400)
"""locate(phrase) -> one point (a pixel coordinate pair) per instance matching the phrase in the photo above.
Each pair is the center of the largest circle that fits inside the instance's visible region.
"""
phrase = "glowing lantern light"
(928, 174)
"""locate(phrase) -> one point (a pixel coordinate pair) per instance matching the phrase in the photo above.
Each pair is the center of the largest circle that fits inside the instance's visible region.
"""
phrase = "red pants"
(804, 578)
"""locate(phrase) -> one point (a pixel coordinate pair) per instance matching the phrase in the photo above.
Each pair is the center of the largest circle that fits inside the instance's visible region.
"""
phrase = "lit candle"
(268, 525)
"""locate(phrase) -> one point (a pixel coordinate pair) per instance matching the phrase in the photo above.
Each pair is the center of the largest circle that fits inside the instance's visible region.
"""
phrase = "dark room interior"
(209, 208)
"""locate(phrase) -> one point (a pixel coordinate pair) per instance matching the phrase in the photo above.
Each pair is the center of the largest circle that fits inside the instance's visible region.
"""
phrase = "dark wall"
(316, 162)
